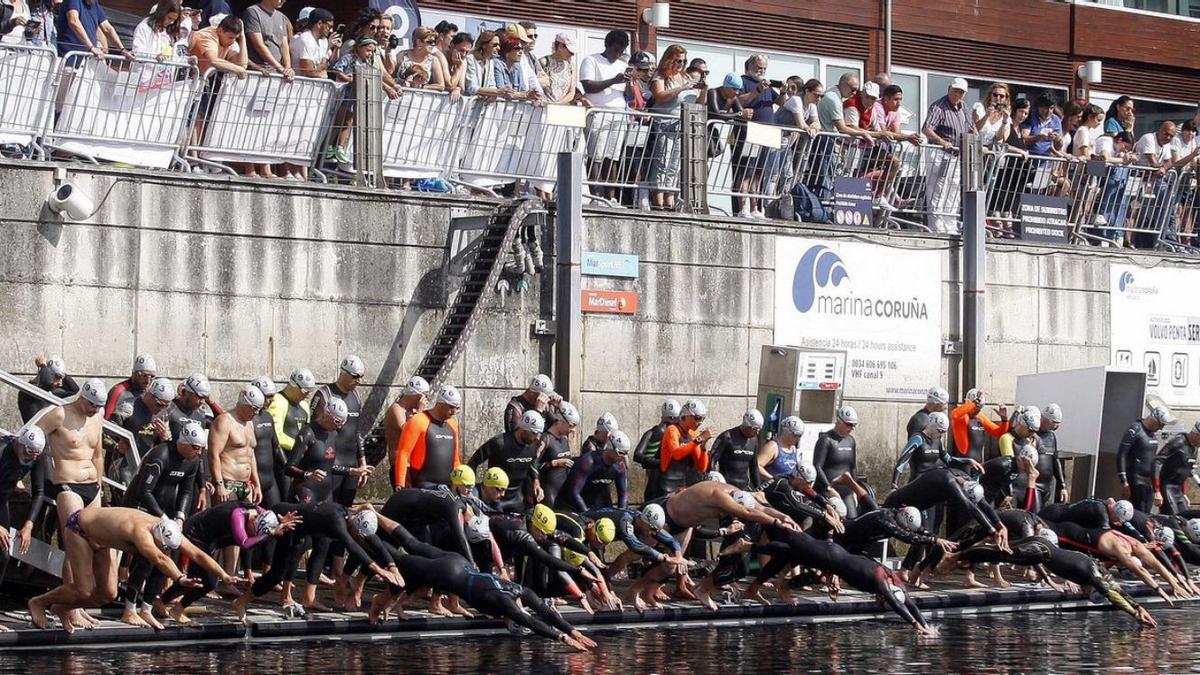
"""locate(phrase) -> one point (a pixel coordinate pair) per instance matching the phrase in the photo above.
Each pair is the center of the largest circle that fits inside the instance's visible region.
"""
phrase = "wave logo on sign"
(1126, 281)
(819, 267)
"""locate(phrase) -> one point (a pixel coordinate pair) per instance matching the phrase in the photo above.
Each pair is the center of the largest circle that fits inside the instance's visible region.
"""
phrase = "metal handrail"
(21, 385)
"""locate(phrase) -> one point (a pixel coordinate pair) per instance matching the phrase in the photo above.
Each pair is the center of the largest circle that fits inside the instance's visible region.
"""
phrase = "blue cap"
(733, 81)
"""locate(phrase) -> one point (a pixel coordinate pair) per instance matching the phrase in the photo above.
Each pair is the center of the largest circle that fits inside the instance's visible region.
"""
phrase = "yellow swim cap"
(572, 557)
(605, 530)
(544, 519)
(496, 478)
(463, 475)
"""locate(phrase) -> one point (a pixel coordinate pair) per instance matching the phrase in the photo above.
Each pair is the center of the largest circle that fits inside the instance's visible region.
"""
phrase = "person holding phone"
(14, 22)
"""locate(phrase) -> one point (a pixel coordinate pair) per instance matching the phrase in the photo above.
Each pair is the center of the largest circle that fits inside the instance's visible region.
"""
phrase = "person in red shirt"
(859, 109)
(683, 445)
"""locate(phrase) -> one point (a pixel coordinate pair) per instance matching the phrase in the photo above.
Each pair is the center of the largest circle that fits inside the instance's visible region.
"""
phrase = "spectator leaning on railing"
(456, 64)
(446, 32)
(267, 36)
(1183, 157)
(528, 32)
(1120, 116)
(221, 48)
(14, 17)
(155, 35)
(424, 54)
(511, 78)
(670, 89)
(311, 49)
(562, 82)
(946, 123)
(887, 124)
(82, 26)
(760, 98)
(481, 66)
(638, 140)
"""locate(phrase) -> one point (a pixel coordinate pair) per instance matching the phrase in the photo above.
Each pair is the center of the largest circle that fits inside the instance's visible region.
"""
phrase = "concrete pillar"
(974, 238)
(568, 221)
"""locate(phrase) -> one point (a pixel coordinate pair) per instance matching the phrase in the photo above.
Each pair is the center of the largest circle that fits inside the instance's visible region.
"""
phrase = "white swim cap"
(478, 529)
(975, 395)
(144, 362)
(415, 385)
(670, 408)
(569, 413)
(753, 419)
(974, 491)
(909, 517)
(303, 378)
(938, 421)
(619, 442)
(607, 422)
(745, 499)
(168, 534)
(266, 522)
(806, 471)
(58, 367)
(1031, 417)
(1166, 535)
(1162, 415)
(657, 517)
(252, 396)
(792, 425)
(1053, 412)
(353, 366)
(839, 505)
(198, 384)
(1028, 452)
(337, 409)
(847, 415)
(1123, 511)
(366, 522)
(266, 385)
(1193, 530)
(94, 392)
(33, 438)
(714, 476)
(163, 389)
(194, 434)
(897, 593)
(937, 395)
(1049, 535)
(449, 395)
(533, 421)
(541, 384)
(693, 408)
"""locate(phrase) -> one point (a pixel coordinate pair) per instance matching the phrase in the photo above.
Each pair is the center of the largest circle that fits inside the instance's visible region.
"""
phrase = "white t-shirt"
(1148, 145)
(306, 46)
(152, 43)
(1104, 147)
(598, 68)
(1184, 149)
(1086, 136)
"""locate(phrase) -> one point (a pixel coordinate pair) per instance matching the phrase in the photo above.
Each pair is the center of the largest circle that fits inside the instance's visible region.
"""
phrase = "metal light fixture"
(658, 16)
(1090, 72)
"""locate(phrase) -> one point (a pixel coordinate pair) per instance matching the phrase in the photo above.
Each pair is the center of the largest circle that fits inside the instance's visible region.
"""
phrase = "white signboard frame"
(1154, 327)
(882, 305)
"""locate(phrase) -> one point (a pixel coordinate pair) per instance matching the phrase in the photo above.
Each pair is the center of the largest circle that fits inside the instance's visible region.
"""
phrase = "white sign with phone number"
(1155, 327)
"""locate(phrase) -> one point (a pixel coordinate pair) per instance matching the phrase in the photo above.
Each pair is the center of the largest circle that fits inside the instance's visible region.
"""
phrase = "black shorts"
(86, 491)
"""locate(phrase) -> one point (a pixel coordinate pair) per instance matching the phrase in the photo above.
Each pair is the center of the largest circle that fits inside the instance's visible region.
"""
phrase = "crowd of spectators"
(846, 128)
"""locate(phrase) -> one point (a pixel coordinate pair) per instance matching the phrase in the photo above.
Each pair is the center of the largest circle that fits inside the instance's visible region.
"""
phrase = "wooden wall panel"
(1043, 25)
(981, 60)
(1129, 36)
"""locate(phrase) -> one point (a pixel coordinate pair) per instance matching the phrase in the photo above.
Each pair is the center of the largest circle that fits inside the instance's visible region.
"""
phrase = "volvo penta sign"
(1155, 327)
(882, 305)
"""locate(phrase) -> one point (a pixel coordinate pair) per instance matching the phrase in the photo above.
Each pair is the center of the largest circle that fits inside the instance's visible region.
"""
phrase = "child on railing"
(363, 53)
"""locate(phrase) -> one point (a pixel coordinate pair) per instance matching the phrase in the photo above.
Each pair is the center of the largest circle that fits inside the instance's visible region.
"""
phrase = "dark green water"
(1067, 642)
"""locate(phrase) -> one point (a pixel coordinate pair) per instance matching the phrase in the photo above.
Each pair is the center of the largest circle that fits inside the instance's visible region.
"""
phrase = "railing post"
(693, 158)
(568, 221)
(974, 238)
(368, 126)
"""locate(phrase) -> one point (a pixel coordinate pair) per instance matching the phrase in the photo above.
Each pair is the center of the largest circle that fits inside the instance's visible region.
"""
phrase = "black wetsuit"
(922, 453)
(800, 506)
(938, 486)
(140, 424)
(834, 455)
(647, 454)
(177, 418)
(514, 410)
(626, 522)
(877, 524)
(433, 516)
(519, 462)
(1051, 478)
(29, 405)
(553, 478)
(1080, 524)
(12, 470)
(1135, 465)
(735, 456)
(1174, 464)
(327, 521)
(314, 449)
(1002, 478)
(270, 459)
(518, 547)
(591, 483)
(348, 444)
(210, 530)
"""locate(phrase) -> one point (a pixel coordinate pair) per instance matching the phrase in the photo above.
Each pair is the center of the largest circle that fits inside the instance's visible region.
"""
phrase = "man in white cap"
(429, 446)
(1135, 459)
(539, 396)
(606, 426)
(557, 458)
(145, 369)
(290, 409)
(1051, 483)
(350, 450)
(22, 458)
(145, 421)
(836, 453)
(649, 445)
(735, 452)
(193, 396)
(52, 377)
(683, 447)
(231, 454)
(936, 400)
(516, 453)
(410, 402)
(73, 433)
(1174, 466)
(946, 123)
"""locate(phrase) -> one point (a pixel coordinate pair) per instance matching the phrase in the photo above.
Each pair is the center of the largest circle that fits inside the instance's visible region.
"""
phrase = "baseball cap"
(870, 89)
(566, 40)
(732, 80)
(518, 30)
(642, 60)
(320, 14)
(304, 13)
(958, 83)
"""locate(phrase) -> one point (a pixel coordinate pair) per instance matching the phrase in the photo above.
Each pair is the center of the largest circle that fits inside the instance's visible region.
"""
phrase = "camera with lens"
(393, 42)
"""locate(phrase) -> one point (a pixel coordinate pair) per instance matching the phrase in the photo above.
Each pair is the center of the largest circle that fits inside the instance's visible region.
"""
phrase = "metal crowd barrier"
(515, 140)
(26, 96)
(752, 161)
(264, 119)
(131, 112)
(631, 153)
(423, 133)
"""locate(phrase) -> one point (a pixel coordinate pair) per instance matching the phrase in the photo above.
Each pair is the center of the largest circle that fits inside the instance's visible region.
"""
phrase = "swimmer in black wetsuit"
(593, 477)
(647, 452)
(538, 397)
(516, 453)
(267, 452)
(836, 453)
(1135, 460)
(1051, 483)
(165, 486)
(21, 456)
(875, 524)
(1174, 464)
(735, 452)
(557, 458)
(794, 495)
(936, 400)
(52, 377)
